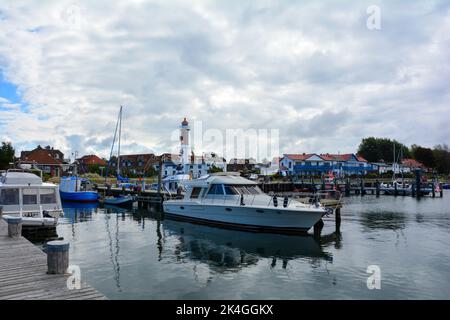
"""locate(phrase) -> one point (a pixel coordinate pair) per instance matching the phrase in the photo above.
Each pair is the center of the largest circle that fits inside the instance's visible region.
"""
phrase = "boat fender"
(45, 214)
(285, 202)
(275, 201)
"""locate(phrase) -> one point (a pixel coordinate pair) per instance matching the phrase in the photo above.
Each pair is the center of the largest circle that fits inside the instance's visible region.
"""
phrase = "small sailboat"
(71, 189)
(122, 200)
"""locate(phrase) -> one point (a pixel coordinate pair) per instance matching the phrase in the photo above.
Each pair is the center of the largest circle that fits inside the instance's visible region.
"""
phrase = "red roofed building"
(317, 164)
(49, 160)
(91, 159)
(412, 165)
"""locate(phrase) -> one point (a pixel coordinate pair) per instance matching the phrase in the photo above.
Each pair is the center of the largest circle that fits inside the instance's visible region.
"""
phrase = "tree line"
(382, 149)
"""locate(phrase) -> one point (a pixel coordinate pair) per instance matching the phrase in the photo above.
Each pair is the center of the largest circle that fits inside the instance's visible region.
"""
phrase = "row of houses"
(53, 162)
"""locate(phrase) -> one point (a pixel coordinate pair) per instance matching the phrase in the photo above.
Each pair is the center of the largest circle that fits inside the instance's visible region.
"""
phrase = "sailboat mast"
(112, 147)
(118, 151)
(393, 164)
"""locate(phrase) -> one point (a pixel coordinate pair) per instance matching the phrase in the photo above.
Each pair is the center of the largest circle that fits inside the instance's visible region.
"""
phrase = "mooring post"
(14, 227)
(418, 184)
(395, 189)
(347, 187)
(441, 191)
(413, 190)
(57, 257)
(159, 176)
(318, 228)
(362, 187)
(377, 185)
(433, 191)
(338, 219)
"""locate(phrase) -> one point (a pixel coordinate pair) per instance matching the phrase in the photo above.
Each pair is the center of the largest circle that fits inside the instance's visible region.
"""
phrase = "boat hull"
(82, 196)
(120, 201)
(248, 218)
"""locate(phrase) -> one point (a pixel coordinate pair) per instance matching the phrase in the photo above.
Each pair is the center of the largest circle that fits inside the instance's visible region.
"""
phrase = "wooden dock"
(23, 274)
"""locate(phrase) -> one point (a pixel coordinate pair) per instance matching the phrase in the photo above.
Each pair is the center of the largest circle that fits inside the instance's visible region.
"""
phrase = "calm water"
(136, 255)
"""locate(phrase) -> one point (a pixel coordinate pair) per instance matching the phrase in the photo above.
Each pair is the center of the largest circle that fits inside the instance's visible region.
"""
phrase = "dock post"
(395, 189)
(14, 227)
(338, 219)
(433, 191)
(347, 187)
(441, 191)
(362, 187)
(377, 185)
(57, 257)
(418, 184)
(318, 228)
(413, 190)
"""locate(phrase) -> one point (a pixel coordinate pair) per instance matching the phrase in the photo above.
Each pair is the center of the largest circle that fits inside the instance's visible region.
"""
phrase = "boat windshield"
(242, 189)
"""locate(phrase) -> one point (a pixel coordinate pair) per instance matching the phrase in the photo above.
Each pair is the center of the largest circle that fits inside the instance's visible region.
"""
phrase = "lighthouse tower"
(184, 142)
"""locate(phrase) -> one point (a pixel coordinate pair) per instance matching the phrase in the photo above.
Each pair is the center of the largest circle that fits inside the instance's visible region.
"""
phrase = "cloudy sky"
(315, 71)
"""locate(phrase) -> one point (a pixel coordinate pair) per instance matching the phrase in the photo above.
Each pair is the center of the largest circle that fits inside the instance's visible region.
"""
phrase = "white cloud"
(310, 69)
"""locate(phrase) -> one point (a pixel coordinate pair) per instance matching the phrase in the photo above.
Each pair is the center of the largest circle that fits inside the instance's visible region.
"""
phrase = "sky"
(312, 70)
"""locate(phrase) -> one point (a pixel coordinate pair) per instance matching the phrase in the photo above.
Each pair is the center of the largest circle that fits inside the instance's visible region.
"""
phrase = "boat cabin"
(25, 194)
(221, 186)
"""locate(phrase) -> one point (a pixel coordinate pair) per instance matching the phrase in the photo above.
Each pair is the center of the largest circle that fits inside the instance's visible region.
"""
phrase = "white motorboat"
(23, 194)
(230, 201)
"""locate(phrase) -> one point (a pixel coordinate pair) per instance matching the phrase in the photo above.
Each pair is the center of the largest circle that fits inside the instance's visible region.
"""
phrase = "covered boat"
(23, 194)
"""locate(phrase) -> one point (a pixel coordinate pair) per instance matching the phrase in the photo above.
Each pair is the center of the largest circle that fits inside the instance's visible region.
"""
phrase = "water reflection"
(78, 212)
(114, 247)
(224, 249)
(388, 220)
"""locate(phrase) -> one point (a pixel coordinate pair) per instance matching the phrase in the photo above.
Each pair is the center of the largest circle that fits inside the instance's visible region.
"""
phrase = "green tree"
(214, 169)
(424, 155)
(94, 168)
(376, 149)
(6, 155)
(442, 158)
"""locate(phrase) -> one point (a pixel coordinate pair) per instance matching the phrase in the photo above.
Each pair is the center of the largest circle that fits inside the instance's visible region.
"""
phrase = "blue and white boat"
(121, 201)
(71, 189)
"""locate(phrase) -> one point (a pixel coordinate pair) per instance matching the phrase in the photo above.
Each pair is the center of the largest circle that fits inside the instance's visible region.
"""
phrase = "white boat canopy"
(20, 178)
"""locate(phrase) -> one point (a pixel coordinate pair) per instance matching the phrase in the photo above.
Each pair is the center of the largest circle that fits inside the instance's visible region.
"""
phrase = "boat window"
(195, 192)
(216, 189)
(230, 190)
(241, 190)
(253, 189)
(9, 197)
(48, 196)
(29, 196)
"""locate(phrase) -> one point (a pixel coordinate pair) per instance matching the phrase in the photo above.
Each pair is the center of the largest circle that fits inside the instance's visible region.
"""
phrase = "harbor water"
(137, 254)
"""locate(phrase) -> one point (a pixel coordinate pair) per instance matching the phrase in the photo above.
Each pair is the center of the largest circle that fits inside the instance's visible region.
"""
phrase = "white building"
(268, 168)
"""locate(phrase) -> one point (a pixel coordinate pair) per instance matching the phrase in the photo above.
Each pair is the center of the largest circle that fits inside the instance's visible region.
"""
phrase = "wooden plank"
(23, 274)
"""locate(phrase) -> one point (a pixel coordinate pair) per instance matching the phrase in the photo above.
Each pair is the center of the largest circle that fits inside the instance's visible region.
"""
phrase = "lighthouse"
(184, 143)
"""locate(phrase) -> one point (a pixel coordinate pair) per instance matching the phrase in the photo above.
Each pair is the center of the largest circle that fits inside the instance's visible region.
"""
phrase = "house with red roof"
(91, 159)
(317, 164)
(49, 160)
